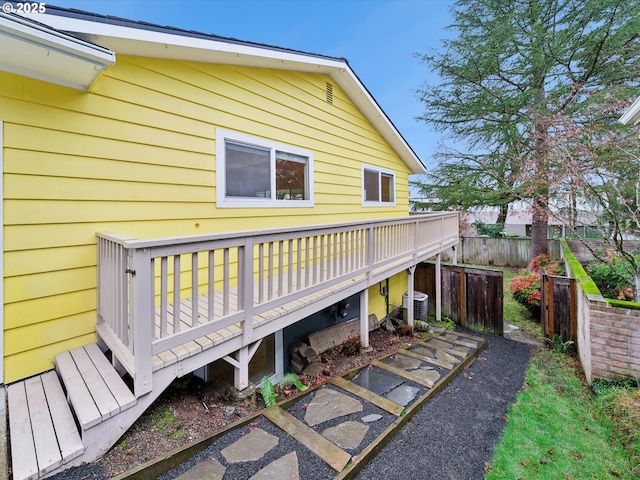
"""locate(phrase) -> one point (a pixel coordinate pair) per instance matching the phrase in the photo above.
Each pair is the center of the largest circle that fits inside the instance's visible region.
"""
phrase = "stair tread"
(94, 388)
(118, 388)
(80, 398)
(66, 430)
(44, 438)
(43, 433)
(23, 450)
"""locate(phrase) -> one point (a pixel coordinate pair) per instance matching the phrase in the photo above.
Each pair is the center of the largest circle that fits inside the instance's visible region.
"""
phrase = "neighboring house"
(518, 220)
(269, 178)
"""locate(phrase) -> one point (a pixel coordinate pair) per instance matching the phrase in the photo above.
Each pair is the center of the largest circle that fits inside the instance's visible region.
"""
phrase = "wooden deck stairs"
(72, 415)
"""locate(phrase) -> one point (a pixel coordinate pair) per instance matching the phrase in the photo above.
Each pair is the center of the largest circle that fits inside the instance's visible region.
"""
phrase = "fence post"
(463, 297)
(142, 317)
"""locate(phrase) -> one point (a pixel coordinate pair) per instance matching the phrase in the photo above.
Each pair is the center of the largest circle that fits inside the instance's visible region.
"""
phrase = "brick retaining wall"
(608, 337)
(615, 342)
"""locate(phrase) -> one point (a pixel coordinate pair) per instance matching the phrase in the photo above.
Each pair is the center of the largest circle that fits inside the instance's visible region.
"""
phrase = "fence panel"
(471, 297)
(504, 251)
(559, 307)
(484, 293)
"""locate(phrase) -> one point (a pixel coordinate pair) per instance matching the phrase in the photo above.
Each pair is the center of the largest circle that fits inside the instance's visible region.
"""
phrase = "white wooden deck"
(260, 282)
(285, 312)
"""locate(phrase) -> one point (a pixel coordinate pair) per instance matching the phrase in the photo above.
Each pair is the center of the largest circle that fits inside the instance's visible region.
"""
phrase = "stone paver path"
(339, 423)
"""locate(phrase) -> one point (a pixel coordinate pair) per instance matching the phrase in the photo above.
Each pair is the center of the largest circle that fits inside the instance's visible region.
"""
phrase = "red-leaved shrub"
(526, 288)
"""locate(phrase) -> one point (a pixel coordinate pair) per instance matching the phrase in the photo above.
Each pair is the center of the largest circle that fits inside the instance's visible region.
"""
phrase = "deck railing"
(238, 278)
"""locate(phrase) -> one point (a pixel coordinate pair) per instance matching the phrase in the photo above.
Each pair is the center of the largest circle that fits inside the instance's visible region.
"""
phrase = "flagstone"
(328, 404)
(439, 343)
(420, 350)
(346, 435)
(207, 469)
(427, 373)
(445, 357)
(374, 417)
(402, 394)
(284, 467)
(404, 362)
(250, 447)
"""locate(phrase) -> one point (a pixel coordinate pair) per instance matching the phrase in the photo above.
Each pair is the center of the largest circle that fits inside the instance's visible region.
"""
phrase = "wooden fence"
(471, 297)
(514, 252)
(559, 307)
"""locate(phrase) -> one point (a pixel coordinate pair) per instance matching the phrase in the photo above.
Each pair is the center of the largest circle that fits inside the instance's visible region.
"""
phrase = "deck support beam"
(241, 364)
(410, 289)
(438, 289)
(364, 318)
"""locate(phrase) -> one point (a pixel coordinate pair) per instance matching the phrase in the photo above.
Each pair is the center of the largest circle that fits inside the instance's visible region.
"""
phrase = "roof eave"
(35, 51)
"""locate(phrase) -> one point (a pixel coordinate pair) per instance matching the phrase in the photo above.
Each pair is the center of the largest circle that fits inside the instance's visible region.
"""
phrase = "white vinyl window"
(378, 186)
(254, 172)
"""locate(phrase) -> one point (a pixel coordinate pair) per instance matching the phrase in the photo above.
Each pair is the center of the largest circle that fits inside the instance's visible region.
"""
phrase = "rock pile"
(305, 360)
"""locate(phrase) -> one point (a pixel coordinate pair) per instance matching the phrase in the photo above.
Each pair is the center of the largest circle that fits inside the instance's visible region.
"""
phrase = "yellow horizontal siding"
(30, 362)
(397, 287)
(47, 333)
(32, 187)
(19, 314)
(28, 287)
(26, 262)
(42, 140)
(71, 166)
(136, 156)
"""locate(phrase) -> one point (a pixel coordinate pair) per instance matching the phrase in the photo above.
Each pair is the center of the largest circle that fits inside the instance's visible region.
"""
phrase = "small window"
(378, 186)
(254, 172)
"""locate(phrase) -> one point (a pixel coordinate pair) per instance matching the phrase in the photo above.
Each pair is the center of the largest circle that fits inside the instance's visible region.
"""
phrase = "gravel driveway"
(453, 435)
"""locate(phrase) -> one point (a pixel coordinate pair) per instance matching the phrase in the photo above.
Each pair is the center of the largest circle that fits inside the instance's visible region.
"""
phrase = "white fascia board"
(141, 42)
(632, 115)
(59, 41)
(34, 51)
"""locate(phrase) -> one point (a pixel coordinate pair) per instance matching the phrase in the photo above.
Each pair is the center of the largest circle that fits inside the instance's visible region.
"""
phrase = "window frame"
(380, 171)
(254, 202)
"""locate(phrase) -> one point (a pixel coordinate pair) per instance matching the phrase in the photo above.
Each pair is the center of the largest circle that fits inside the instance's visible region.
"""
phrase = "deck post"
(142, 318)
(241, 371)
(364, 318)
(245, 291)
(410, 289)
(438, 289)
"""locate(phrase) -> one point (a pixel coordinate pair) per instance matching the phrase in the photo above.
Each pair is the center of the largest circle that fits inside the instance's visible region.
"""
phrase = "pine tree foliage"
(514, 77)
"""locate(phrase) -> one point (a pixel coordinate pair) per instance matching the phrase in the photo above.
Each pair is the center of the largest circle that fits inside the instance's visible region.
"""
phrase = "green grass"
(516, 314)
(558, 428)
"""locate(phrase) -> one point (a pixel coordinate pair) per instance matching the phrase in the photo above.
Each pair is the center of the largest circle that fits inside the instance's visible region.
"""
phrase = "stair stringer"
(99, 438)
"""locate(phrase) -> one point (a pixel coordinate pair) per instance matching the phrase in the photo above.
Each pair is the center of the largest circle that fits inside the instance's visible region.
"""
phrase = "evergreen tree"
(510, 71)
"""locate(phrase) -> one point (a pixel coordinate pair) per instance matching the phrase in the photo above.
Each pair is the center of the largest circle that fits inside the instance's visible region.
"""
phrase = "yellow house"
(269, 178)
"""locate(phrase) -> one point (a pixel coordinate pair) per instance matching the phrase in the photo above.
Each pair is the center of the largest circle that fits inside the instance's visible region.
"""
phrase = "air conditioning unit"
(420, 303)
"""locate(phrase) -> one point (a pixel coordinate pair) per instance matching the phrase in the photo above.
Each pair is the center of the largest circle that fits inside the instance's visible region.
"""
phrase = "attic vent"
(329, 93)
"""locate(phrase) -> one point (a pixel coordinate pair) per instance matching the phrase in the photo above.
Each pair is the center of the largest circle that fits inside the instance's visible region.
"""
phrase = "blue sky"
(378, 37)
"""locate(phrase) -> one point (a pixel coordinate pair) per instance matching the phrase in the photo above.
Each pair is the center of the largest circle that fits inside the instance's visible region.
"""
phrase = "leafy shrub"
(527, 292)
(610, 279)
(490, 230)
(526, 288)
(544, 261)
